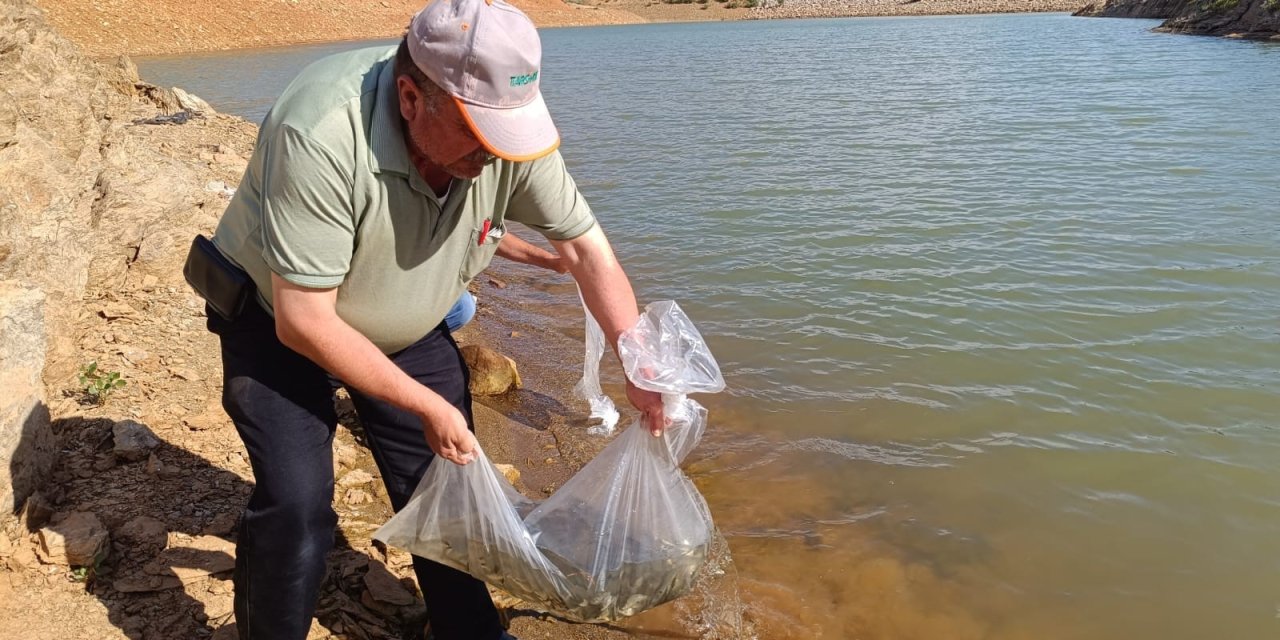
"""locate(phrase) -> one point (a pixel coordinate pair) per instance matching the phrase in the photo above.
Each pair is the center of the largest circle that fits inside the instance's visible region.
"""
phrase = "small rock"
(515, 334)
(205, 421)
(509, 472)
(149, 281)
(24, 557)
(6, 545)
(356, 496)
(143, 534)
(134, 441)
(184, 374)
(78, 540)
(222, 524)
(144, 583)
(352, 562)
(491, 372)
(36, 511)
(116, 310)
(383, 586)
(497, 283)
(371, 603)
(191, 102)
(134, 355)
(108, 337)
(195, 559)
(217, 186)
(105, 464)
(227, 158)
(345, 454)
(355, 478)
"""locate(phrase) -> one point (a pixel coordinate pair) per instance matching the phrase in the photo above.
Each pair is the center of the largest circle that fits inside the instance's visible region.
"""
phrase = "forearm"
(327, 340)
(514, 248)
(605, 287)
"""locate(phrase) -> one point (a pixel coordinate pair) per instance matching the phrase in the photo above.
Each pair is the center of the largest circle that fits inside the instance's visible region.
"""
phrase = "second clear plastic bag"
(626, 533)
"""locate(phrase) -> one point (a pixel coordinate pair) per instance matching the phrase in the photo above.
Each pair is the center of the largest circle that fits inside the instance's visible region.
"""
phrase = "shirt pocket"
(481, 247)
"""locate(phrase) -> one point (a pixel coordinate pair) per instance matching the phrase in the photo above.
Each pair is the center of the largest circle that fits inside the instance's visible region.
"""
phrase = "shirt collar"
(387, 151)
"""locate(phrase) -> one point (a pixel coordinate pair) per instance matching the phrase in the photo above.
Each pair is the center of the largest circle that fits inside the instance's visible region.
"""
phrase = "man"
(381, 184)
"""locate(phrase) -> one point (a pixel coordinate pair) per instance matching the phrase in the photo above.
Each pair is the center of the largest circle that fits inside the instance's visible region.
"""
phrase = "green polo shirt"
(330, 199)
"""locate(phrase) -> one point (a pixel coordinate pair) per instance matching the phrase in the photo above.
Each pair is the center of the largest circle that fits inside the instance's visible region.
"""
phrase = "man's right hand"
(447, 434)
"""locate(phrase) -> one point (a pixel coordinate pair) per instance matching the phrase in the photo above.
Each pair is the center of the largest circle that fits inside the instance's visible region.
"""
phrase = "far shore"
(150, 27)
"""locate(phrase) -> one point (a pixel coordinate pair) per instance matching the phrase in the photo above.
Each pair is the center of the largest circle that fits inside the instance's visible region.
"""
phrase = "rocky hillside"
(1256, 19)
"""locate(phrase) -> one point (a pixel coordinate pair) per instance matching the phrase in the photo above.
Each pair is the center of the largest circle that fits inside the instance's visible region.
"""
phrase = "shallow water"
(997, 299)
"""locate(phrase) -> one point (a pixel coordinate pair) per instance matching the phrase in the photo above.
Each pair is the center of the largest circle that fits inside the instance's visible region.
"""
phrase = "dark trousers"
(282, 405)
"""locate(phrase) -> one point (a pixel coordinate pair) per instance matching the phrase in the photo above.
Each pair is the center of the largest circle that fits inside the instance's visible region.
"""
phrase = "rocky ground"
(104, 180)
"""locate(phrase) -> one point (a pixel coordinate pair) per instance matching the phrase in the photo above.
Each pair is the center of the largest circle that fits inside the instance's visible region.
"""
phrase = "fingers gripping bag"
(628, 532)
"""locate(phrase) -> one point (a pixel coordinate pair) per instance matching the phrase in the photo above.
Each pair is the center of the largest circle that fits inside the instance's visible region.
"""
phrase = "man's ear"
(411, 98)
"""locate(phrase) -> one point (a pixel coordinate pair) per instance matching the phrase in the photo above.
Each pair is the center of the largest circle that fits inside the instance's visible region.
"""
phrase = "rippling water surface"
(997, 297)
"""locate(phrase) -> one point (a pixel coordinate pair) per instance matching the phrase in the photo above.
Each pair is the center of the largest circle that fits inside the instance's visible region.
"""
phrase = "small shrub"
(89, 575)
(96, 385)
(1219, 6)
(1272, 5)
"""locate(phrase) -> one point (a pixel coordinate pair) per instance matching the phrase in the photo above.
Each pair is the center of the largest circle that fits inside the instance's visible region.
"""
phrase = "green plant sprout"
(97, 385)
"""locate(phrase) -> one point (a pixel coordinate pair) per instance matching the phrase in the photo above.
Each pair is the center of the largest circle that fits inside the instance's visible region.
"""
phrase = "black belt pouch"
(220, 282)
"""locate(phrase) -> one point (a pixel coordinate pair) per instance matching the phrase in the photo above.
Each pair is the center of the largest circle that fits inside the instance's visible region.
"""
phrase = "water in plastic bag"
(626, 533)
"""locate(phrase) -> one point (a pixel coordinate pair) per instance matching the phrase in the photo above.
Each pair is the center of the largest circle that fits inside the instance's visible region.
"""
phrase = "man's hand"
(650, 405)
(447, 434)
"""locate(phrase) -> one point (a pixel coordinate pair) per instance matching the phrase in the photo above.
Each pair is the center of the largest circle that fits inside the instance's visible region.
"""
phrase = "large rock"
(491, 372)
(1256, 19)
(80, 189)
(1235, 18)
(1160, 9)
(26, 442)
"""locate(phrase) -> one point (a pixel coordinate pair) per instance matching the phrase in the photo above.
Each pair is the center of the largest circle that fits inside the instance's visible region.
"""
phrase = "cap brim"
(519, 134)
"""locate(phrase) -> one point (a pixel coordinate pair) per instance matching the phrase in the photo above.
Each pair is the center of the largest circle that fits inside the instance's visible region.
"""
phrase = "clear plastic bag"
(588, 388)
(626, 533)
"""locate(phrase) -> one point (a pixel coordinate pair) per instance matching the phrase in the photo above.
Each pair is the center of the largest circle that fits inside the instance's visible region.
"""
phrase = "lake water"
(997, 298)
